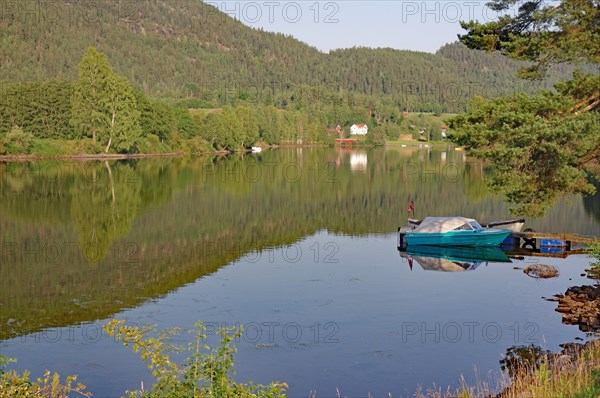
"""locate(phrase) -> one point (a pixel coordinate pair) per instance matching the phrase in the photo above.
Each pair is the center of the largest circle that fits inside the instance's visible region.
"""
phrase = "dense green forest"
(101, 111)
(255, 86)
(188, 49)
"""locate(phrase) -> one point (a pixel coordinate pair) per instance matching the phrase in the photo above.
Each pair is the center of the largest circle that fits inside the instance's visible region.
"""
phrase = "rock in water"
(541, 271)
(580, 305)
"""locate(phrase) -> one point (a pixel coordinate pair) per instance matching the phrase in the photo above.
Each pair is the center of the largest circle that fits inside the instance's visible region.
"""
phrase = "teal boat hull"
(470, 254)
(484, 238)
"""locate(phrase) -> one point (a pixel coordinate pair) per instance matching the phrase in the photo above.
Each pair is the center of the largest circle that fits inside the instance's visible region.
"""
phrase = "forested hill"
(183, 48)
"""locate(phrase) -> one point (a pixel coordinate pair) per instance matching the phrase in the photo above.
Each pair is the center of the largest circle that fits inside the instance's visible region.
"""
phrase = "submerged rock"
(580, 305)
(541, 271)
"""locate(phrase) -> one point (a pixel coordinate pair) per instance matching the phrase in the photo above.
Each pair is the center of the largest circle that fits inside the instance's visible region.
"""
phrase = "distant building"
(334, 129)
(359, 129)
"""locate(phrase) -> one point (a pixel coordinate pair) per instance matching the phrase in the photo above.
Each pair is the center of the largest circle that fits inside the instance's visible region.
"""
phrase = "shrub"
(205, 373)
(594, 254)
(18, 142)
(15, 385)
(87, 146)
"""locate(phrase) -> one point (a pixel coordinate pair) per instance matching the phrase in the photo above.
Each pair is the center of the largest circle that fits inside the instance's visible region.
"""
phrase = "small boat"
(514, 225)
(413, 222)
(256, 149)
(452, 231)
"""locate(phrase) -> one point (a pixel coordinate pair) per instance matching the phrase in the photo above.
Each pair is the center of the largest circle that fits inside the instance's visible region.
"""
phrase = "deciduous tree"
(104, 105)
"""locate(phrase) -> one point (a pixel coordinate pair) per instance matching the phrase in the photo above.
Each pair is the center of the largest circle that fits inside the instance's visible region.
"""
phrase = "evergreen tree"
(541, 31)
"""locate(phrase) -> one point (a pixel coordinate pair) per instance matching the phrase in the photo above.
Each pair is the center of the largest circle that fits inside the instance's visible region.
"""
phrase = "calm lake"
(297, 245)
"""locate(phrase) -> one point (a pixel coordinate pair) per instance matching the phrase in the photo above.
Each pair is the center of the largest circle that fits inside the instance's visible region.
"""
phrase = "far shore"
(105, 156)
(116, 156)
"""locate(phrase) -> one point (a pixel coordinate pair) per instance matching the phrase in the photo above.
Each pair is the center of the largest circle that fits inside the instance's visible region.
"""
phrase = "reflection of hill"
(177, 220)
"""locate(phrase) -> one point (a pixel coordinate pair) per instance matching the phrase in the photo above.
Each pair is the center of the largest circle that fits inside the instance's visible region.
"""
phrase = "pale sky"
(326, 25)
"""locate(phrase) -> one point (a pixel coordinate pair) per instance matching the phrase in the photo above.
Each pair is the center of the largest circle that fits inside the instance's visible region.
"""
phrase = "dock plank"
(560, 236)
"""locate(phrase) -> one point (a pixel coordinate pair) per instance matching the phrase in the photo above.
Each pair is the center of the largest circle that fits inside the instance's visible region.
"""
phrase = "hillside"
(188, 49)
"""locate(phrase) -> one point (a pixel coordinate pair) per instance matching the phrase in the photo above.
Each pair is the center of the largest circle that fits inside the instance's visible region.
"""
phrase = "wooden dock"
(347, 141)
(572, 238)
(546, 244)
(519, 253)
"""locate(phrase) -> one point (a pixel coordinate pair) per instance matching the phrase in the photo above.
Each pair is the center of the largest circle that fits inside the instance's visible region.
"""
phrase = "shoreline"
(116, 156)
(105, 156)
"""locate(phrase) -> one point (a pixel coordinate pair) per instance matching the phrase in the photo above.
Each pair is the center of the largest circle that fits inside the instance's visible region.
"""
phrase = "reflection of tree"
(104, 202)
(157, 180)
(519, 359)
(591, 203)
(475, 189)
(195, 214)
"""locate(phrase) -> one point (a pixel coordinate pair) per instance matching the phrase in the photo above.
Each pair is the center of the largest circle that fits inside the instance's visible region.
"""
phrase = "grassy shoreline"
(574, 375)
(105, 156)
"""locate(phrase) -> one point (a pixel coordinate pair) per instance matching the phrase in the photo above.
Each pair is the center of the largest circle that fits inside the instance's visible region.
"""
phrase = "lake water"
(296, 245)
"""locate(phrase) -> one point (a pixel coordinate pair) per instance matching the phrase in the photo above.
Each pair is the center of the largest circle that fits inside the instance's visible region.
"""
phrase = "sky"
(326, 25)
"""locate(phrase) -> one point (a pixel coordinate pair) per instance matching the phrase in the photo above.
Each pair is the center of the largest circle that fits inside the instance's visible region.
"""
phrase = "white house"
(359, 129)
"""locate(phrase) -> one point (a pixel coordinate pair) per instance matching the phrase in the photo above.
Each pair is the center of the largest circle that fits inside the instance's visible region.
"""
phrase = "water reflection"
(219, 240)
(452, 259)
(103, 236)
(358, 161)
(104, 203)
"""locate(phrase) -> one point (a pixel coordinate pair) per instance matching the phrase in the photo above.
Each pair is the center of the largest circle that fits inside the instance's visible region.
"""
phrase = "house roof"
(360, 126)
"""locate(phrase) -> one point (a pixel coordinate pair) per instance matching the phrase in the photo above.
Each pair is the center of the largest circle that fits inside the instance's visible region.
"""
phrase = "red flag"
(411, 207)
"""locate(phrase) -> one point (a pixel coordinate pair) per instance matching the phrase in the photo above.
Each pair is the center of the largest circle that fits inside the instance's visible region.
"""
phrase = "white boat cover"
(440, 224)
(439, 264)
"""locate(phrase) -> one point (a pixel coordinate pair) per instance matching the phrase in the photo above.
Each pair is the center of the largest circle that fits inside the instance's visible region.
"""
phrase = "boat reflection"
(452, 259)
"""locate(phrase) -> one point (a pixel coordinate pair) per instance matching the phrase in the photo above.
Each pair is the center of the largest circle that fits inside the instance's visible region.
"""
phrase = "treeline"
(102, 112)
(35, 111)
(189, 49)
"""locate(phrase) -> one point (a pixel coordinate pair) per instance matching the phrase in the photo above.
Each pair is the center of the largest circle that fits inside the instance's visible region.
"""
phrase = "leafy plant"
(15, 385)
(594, 254)
(205, 373)
(18, 141)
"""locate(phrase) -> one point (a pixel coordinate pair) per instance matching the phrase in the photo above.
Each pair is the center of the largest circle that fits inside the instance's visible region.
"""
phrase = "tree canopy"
(543, 146)
(537, 145)
(104, 103)
(541, 31)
